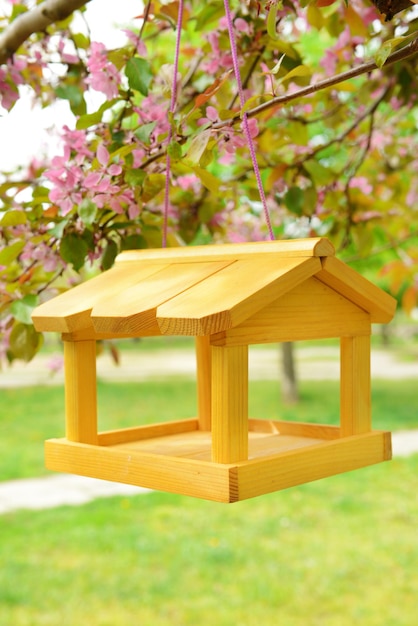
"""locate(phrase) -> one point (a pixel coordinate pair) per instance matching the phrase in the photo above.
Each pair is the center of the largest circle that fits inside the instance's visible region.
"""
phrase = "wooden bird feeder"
(228, 297)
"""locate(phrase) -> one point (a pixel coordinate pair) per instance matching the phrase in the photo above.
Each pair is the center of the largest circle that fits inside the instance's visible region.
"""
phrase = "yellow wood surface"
(71, 310)
(303, 465)
(355, 392)
(204, 382)
(232, 295)
(312, 246)
(80, 391)
(133, 309)
(296, 462)
(358, 289)
(312, 310)
(148, 431)
(229, 404)
(171, 474)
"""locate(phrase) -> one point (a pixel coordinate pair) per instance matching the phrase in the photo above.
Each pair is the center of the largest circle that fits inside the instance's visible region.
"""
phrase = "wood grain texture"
(307, 464)
(133, 309)
(204, 382)
(229, 404)
(80, 391)
(71, 310)
(230, 296)
(312, 246)
(312, 310)
(355, 393)
(296, 462)
(358, 289)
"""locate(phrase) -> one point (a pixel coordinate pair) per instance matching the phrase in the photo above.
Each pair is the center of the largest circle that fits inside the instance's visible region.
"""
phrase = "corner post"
(229, 404)
(355, 393)
(204, 377)
(80, 391)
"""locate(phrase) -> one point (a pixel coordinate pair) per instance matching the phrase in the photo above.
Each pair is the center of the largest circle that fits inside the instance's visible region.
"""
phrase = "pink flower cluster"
(10, 79)
(74, 179)
(103, 75)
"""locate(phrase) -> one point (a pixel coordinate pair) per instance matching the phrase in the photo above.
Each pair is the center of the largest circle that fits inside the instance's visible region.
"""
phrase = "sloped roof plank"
(358, 289)
(70, 311)
(230, 296)
(130, 310)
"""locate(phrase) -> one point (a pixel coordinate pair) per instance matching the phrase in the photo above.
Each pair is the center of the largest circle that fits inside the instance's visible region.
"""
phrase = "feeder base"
(176, 457)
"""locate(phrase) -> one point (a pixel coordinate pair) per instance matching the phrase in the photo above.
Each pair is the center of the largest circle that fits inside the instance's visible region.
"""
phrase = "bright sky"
(23, 131)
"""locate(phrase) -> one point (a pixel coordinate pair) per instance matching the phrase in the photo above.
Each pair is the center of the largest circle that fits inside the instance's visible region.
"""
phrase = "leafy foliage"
(341, 161)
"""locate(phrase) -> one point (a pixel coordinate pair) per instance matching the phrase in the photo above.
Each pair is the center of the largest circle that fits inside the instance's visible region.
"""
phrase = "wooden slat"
(80, 391)
(188, 477)
(204, 382)
(312, 310)
(134, 308)
(301, 429)
(315, 246)
(149, 431)
(264, 475)
(232, 295)
(70, 311)
(358, 289)
(355, 392)
(229, 404)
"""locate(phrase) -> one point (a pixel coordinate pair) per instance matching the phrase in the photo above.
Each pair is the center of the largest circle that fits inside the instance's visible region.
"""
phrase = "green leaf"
(174, 151)
(75, 97)
(73, 249)
(294, 200)
(13, 218)
(139, 75)
(319, 174)
(24, 342)
(153, 184)
(11, 252)
(22, 309)
(207, 179)
(81, 41)
(135, 177)
(299, 70)
(197, 147)
(388, 47)
(91, 119)
(109, 255)
(134, 242)
(87, 211)
(144, 132)
(272, 19)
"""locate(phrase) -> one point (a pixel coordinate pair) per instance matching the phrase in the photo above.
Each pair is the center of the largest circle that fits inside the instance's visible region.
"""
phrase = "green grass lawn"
(336, 552)
(30, 415)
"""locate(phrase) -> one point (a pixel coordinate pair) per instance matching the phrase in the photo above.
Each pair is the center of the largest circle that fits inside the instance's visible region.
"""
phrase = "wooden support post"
(80, 391)
(204, 381)
(355, 395)
(229, 404)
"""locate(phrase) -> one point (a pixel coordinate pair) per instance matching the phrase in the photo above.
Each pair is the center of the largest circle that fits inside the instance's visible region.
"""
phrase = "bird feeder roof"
(202, 290)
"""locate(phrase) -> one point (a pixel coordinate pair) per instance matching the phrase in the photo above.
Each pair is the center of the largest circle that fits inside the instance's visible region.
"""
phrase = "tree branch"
(408, 51)
(35, 21)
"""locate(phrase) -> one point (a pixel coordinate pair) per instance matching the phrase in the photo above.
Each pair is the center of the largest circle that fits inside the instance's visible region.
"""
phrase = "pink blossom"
(361, 182)
(103, 75)
(140, 46)
(189, 181)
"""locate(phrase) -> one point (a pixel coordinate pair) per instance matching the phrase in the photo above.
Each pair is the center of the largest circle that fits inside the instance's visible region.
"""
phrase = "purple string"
(245, 118)
(173, 102)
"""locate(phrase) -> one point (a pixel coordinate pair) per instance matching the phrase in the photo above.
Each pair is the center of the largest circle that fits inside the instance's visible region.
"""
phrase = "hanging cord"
(173, 103)
(245, 118)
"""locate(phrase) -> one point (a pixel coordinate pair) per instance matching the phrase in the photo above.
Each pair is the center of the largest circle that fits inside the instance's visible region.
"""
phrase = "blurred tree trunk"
(290, 392)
